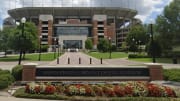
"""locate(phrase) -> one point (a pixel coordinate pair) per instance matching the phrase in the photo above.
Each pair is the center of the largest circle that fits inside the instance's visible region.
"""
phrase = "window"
(44, 31)
(100, 31)
(44, 22)
(100, 22)
(100, 28)
(44, 28)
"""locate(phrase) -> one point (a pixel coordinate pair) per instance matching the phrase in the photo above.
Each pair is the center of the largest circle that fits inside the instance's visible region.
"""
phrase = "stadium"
(73, 22)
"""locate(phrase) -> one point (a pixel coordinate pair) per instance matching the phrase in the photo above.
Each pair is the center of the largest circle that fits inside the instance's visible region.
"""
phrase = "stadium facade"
(72, 25)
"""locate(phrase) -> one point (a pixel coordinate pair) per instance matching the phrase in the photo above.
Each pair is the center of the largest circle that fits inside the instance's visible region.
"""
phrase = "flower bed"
(123, 89)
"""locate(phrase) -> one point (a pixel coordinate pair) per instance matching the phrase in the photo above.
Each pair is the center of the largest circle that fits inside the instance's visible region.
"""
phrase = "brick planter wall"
(29, 72)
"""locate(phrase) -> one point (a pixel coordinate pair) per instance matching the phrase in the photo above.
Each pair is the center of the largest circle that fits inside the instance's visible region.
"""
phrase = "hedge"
(6, 79)
(171, 74)
(17, 72)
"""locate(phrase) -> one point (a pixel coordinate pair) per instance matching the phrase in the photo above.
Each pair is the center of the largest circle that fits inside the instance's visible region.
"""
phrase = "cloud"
(151, 9)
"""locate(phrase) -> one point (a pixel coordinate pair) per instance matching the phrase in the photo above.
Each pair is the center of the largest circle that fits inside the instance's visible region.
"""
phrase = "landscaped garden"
(126, 91)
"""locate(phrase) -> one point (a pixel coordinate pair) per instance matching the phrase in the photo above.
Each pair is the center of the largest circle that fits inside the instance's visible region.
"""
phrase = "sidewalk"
(74, 59)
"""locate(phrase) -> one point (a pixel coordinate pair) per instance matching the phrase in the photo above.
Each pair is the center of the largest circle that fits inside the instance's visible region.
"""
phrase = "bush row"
(17, 72)
(5, 79)
(172, 74)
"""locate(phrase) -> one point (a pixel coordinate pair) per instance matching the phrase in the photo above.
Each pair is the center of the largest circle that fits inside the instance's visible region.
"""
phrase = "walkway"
(10, 65)
(74, 59)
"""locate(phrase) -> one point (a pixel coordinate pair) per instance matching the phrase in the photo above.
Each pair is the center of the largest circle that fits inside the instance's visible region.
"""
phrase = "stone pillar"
(155, 71)
(29, 72)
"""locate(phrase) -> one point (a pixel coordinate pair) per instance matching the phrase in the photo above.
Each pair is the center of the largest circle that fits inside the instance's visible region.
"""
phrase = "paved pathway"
(10, 98)
(74, 59)
(10, 65)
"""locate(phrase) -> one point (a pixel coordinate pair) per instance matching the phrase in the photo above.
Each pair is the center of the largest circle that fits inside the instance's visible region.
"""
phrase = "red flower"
(154, 90)
(27, 89)
(37, 89)
(50, 89)
(128, 90)
(119, 91)
(170, 92)
(109, 91)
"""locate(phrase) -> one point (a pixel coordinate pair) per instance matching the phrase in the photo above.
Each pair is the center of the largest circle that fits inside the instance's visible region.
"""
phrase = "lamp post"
(139, 46)
(109, 47)
(134, 45)
(152, 43)
(58, 41)
(40, 37)
(23, 21)
(54, 41)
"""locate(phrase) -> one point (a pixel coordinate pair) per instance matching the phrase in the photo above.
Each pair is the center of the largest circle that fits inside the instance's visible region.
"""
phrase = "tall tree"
(103, 45)
(5, 39)
(88, 44)
(168, 26)
(136, 36)
(27, 41)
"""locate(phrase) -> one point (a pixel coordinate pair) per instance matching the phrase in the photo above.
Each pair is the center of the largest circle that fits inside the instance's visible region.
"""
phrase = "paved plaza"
(74, 60)
(85, 60)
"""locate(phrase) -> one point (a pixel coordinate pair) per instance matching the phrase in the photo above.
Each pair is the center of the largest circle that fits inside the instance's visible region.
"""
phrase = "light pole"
(134, 45)
(58, 41)
(109, 47)
(23, 21)
(152, 43)
(54, 41)
(139, 46)
(40, 37)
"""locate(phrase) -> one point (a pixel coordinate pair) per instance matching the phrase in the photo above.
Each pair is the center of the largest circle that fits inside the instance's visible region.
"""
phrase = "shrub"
(4, 72)
(17, 72)
(5, 79)
(3, 82)
(172, 74)
(137, 56)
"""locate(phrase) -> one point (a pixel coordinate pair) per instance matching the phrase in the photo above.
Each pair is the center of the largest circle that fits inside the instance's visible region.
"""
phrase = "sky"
(147, 9)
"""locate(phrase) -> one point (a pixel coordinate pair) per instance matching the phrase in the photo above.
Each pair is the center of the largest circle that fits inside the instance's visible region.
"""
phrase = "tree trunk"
(24, 53)
(5, 52)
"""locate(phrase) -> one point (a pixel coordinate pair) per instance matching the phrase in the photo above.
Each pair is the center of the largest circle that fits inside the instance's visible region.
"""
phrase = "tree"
(137, 35)
(103, 45)
(88, 44)
(168, 26)
(5, 39)
(154, 47)
(28, 41)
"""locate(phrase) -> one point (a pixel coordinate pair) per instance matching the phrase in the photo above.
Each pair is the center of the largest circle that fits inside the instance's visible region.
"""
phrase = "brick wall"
(29, 72)
(50, 29)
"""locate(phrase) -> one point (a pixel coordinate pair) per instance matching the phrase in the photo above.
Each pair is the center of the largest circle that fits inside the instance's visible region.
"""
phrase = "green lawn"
(159, 60)
(106, 55)
(30, 57)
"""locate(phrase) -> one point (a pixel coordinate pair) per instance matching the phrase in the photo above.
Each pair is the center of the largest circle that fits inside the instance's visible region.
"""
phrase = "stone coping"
(96, 78)
(91, 66)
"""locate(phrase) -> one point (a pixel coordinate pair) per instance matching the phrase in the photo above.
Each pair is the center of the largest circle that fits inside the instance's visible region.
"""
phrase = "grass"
(30, 57)
(20, 93)
(158, 60)
(106, 55)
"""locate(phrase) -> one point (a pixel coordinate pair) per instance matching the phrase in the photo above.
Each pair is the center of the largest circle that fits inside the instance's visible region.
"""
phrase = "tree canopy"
(12, 38)
(168, 26)
(88, 44)
(136, 36)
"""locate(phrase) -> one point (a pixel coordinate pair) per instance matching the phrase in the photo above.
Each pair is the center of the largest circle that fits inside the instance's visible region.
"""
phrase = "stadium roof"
(30, 12)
